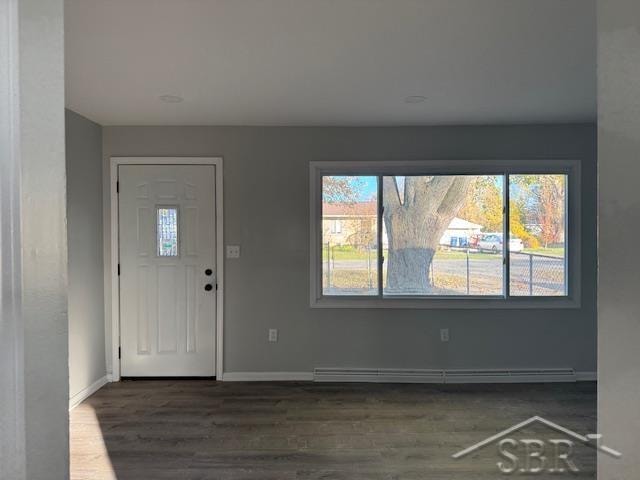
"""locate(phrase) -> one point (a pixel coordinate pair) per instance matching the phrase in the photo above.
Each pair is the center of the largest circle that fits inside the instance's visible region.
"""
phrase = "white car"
(492, 242)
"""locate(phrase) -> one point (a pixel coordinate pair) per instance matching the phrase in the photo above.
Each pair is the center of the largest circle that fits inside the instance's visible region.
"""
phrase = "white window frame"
(571, 168)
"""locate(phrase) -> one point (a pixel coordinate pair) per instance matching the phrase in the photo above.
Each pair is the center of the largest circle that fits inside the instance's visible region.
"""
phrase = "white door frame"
(114, 244)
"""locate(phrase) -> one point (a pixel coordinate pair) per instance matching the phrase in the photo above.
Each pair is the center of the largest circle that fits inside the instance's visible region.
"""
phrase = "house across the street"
(355, 224)
(459, 232)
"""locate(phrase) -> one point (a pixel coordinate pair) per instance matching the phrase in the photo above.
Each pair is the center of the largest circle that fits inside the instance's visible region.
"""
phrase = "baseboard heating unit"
(532, 375)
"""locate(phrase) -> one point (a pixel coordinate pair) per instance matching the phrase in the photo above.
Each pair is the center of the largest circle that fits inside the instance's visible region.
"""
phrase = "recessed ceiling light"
(170, 98)
(415, 99)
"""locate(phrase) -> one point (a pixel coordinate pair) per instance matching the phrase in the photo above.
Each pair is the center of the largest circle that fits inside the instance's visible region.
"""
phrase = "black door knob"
(208, 272)
(208, 287)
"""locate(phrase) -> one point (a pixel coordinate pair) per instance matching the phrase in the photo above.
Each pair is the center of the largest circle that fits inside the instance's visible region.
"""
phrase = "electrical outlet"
(273, 334)
(444, 334)
(233, 251)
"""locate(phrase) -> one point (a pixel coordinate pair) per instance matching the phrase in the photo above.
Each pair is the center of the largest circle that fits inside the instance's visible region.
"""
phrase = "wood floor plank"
(203, 430)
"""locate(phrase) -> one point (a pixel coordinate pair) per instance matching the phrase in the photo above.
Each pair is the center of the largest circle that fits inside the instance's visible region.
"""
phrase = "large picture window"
(413, 233)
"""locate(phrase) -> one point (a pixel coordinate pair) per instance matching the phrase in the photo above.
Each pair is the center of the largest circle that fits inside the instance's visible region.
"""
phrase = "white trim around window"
(570, 168)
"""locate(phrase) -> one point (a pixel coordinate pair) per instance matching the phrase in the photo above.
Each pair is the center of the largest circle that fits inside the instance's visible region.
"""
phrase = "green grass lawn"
(345, 252)
(551, 251)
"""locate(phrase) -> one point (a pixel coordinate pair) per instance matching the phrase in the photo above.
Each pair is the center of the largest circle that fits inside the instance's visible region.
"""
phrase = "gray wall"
(266, 201)
(84, 232)
(34, 398)
(619, 212)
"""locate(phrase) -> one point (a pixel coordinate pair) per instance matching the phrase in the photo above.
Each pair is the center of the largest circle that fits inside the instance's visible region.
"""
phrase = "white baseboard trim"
(85, 393)
(586, 376)
(267, 376)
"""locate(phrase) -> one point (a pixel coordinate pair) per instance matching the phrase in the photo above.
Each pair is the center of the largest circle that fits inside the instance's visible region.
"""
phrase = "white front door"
(167, 270)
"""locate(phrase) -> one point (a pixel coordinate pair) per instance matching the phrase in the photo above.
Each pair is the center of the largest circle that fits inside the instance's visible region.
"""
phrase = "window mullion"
(506, 237)
(379, 236)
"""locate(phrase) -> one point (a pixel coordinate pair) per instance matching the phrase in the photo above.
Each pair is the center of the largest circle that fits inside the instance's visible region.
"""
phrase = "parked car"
(492, 242)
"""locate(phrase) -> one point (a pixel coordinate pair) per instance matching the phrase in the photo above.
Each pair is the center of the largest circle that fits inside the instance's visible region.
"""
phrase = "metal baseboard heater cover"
(374, 375)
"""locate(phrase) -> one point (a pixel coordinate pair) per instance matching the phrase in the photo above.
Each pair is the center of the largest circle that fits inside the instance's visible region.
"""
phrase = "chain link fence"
(352, 270)
(349, 270)
(534, 274)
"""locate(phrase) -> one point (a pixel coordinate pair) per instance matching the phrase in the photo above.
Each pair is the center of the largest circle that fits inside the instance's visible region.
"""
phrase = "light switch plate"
(444, 334)
(233, 251)
(273, 334)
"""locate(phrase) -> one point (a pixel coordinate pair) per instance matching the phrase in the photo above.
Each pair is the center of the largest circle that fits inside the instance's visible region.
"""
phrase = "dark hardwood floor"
(207, 430)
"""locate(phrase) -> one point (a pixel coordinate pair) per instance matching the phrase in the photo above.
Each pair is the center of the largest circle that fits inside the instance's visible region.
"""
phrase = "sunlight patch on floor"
(90, 459)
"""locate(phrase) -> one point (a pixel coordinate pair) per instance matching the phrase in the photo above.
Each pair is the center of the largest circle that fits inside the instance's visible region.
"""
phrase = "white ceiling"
(331, 62)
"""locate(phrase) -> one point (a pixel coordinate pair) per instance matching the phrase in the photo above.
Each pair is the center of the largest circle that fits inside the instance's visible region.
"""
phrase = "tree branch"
(454, 195)
(430, 192)
(390, 193)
